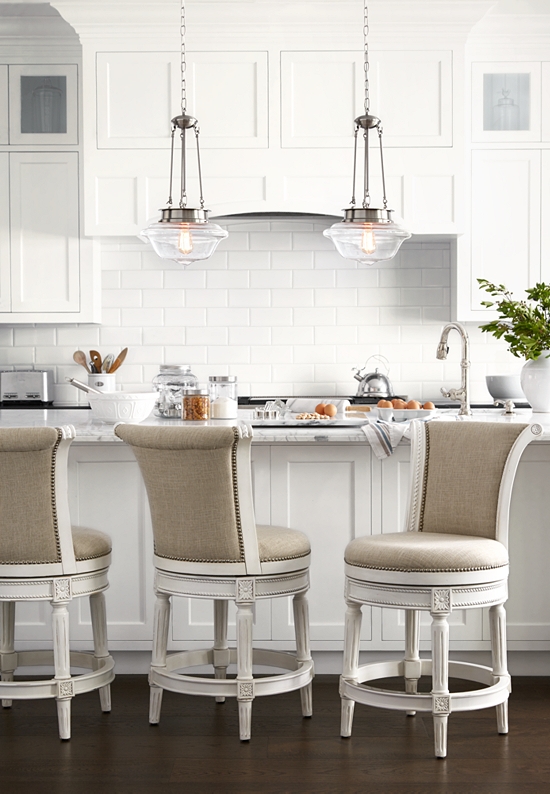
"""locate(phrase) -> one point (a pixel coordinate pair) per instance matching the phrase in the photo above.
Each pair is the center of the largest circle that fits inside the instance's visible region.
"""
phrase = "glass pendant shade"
(368, 242)
(184, 242)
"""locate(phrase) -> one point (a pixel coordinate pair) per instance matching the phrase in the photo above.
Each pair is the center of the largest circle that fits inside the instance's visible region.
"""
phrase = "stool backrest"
(34, 519)
(459, 484)
(191, 479)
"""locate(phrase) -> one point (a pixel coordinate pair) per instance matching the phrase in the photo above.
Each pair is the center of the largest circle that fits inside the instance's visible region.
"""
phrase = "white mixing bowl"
(122, 406)
(505, 387)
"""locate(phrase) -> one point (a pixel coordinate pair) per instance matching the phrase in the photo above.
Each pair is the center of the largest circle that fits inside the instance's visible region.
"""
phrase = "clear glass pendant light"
(367, 234)
(183, 233)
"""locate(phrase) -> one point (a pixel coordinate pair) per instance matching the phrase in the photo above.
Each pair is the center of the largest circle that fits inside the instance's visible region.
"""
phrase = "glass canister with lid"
(169, 383)
(223, 396)
(195, 404)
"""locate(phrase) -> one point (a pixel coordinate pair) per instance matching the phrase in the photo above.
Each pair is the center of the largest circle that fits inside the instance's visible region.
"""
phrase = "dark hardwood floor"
(196, 750)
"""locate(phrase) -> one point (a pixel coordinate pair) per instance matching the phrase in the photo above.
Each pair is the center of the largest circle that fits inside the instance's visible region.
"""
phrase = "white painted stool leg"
(497, 622)
(220, 639)
(7, 640)
(62, 666)
(412, 655)
(352, 631)
(303, 654)
(245, 682)
(161, 624)
(99, 630)
(440, 681)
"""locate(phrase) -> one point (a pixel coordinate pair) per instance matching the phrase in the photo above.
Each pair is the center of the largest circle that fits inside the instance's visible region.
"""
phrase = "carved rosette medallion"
(441, 704)
(245, 690)
(65, 689)
(62, 590)
(246, 590)
(441, 600)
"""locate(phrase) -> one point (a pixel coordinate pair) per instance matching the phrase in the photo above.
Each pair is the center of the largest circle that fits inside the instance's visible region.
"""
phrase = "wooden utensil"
(96, 360)
(80, 357)
(118, 360)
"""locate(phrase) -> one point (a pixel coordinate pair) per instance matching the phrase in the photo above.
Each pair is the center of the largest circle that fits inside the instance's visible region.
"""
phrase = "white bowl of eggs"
(402, 411)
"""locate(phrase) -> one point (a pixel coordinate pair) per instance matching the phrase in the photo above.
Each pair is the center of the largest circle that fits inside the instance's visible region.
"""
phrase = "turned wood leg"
(7, 644)
(99, 631)
(440, 681)
(352, 631)
(497, 621)
(62, 666)
(221, 652)
(161, 624)
(303, 653)
(412, 667)
(245, 681)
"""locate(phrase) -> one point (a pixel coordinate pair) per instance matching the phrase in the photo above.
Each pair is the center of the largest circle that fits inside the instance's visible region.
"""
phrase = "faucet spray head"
(442, 350)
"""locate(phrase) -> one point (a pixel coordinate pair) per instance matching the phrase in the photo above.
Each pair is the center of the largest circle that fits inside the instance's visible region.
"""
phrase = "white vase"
(535, 383)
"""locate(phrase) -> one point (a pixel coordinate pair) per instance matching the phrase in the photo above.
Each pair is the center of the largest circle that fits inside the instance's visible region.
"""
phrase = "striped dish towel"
(384, 437)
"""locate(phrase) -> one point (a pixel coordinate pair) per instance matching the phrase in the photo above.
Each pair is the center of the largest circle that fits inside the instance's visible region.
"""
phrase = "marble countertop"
(89, 430)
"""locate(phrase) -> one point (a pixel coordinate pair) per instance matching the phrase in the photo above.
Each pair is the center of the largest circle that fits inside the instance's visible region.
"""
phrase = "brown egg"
(429, 406)
(413, 405)
(320, 409)
(398, 403)
(384, 404)
(330, 410)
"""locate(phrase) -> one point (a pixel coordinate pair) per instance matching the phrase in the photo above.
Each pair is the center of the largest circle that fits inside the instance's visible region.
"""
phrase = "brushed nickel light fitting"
(184, 233)
(367, 234)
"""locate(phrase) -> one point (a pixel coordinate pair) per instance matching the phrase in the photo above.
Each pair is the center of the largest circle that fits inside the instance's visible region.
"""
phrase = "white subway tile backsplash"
(279, 308)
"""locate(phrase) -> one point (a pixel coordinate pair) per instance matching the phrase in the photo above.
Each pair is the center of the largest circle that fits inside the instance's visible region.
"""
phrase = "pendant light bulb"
(185, 241)
(368, 243)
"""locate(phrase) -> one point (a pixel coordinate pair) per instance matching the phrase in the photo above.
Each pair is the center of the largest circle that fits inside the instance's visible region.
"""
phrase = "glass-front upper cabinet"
(43, 104)
(506, 102)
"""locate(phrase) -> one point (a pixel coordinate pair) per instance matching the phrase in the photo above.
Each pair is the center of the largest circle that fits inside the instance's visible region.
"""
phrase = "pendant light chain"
(366, 63)
(183, 70)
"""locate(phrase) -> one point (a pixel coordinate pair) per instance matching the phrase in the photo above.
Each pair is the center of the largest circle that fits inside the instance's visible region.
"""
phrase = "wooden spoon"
(118, 360)
(80, 357)
(96, 360)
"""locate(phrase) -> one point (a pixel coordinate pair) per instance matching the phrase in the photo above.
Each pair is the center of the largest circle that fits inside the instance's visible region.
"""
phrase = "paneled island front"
(325, 481)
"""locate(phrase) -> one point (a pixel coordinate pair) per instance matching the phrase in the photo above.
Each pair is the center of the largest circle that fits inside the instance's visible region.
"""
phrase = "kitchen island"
(325, 481)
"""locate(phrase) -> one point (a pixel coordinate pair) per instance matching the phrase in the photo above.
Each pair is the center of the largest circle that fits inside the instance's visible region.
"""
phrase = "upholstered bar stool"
(207, 545)
(452, 556)
(43, 559)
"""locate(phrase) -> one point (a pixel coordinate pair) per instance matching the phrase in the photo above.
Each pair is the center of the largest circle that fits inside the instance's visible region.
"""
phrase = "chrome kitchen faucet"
(462, 394)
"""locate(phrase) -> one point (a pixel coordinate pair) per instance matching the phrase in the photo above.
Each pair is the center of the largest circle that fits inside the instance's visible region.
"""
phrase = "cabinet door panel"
(5, 299)
(545, 216)
(43, 104)
(321, 94)
(137, 95)
(45, 232)
(505, 245)
(228, 93)
(4, 115)
(412, 93)
(107, 493)
(325, 492)
(545, 103)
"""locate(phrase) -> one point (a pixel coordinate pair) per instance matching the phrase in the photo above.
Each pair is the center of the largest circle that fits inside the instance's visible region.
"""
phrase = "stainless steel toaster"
(26, 385)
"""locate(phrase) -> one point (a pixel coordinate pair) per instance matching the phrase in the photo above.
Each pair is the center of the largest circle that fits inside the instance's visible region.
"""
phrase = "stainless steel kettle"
(374, 384)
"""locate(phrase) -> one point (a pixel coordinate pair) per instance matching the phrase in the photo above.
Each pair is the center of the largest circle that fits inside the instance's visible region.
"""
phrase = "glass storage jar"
(169, 383)
(195, 404)
(223, 396)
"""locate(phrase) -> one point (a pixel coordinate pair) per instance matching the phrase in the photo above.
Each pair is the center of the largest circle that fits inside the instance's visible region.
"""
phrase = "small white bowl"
(505, 387)
(112, 407)
(406, 414)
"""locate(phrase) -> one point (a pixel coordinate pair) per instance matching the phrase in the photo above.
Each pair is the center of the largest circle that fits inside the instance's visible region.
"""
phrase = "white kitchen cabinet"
(545, 90)
(545, 216)
(5, 269)
(324, 491)
(4, 104)
(43, 104)
(505, 239)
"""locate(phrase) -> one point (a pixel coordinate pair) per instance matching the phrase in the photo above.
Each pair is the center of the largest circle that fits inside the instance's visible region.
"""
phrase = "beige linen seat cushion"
(426, 552)
(281, 543)
(90, 543)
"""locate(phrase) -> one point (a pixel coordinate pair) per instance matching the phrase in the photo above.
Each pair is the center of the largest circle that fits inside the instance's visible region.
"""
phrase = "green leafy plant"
(524, 325)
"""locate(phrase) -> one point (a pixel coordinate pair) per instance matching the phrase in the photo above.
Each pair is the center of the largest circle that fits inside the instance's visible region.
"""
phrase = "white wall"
(278, 308)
